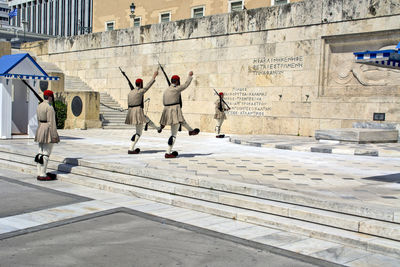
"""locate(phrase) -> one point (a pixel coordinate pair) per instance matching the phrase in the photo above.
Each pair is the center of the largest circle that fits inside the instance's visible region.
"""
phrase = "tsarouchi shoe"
(194, 132)
(52, 175)
(171, 155)
(136, 151)
(46, 178)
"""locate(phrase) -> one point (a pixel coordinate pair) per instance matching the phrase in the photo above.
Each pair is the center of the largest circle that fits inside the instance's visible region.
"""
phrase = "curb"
(329, 149)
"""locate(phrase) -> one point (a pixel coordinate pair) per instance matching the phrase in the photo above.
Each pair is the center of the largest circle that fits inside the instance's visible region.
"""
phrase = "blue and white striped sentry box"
(382, 58)
(23, 66)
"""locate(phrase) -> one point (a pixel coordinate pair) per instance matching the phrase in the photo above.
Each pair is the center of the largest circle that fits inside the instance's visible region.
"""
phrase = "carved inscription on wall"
(275, 65)
(247, 102)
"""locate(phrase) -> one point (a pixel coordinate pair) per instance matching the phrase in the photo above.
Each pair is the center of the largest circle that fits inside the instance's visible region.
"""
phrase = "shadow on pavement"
(70, 138)
(193, 155)
(151, 151)
(390, 178)
(68, 164)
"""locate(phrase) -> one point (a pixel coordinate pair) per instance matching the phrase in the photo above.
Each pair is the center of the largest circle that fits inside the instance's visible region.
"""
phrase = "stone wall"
(284, 69)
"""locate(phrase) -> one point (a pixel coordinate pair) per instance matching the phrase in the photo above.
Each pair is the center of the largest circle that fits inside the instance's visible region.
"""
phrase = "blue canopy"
(382, 58)
(23, 66)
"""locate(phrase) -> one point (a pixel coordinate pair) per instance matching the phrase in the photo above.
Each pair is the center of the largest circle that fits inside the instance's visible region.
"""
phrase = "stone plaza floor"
(369, 179)
(366, 179)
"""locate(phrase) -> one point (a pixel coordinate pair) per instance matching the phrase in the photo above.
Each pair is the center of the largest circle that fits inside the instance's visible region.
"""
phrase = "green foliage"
(61, 113)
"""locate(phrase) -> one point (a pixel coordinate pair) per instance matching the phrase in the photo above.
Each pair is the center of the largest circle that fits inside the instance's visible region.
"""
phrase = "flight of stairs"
(110, 113)
(363, 226)
(74, 83)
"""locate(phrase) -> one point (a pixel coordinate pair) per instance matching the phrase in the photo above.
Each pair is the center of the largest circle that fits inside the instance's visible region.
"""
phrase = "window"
(165, 17)
(137, 22)
(110, 25)
(279, 2)
(235, 6)
(198, 12)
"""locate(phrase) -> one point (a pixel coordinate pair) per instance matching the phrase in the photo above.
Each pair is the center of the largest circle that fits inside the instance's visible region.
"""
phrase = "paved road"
(113, 237)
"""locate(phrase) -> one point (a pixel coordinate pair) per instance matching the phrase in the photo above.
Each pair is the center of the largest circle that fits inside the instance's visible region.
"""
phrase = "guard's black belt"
(43, 121)
(167, 105)
(135, 106)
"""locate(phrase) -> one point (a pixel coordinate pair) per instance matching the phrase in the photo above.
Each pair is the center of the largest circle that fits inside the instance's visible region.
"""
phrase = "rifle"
(33, 90)
(41, 99)
(220, 98)
(129, 81)
(165, 74)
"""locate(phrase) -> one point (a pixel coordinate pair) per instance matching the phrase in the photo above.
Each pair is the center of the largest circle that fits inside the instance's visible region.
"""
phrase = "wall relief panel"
(341, 76)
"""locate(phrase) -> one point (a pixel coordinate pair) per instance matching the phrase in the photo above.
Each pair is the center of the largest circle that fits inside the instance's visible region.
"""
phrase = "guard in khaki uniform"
(172, 113)
(46, 135)
(219, 116)
(135, 114)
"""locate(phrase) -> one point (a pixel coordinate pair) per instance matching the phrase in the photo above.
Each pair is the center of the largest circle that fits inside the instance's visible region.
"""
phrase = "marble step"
(116, 115)
(358, 135)
(368, 210)
(328, 218)
(112, 112)
(110, 127)
(114, 121)
(356, 208)
(363, 241)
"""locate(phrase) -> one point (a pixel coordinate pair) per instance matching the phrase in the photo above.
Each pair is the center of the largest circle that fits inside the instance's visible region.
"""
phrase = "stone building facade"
(284, 69)
(117, 15)
(53, 17)
(4, 10)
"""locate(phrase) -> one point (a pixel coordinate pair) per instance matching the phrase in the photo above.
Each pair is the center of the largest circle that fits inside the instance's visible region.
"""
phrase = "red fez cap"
(139, 81)
(221, 93)
(175, 77)
(48, 93)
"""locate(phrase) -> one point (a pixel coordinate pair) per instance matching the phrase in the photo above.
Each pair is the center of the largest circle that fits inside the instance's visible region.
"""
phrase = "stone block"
(85, 113)
(286, 17)
(197, 193)
(332, 10)
(312, 12)
(307, 126)
(382, 229)
(334, 219)
(358, 135)
(304, 77)
(207, 207)
(280, 239)
(237, 22)
(255, 204)
(5, 48)
(309, 246)
(354, 9)
(290, 126)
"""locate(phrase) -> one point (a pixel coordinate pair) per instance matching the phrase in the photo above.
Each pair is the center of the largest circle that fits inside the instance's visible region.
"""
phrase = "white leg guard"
(218, 126)
(38, 165)
(136, 136)
(217, 130)
(47, 148)
(171, 140)
(44, 167)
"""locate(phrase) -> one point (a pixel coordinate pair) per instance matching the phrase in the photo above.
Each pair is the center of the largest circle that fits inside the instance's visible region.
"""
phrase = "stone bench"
(358, 135)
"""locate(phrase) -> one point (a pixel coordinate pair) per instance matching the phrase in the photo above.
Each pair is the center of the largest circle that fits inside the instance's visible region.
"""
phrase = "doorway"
(20, 108)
